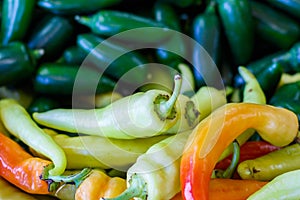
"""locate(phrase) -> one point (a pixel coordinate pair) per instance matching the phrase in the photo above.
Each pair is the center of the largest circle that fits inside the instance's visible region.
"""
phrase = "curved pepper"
(19, 123)
(212, 135)
(142, 114)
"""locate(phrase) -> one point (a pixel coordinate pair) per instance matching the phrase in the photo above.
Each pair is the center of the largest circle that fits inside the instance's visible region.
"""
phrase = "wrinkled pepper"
(213, 134)
(98, 184)
(140, 115)
(19, 123)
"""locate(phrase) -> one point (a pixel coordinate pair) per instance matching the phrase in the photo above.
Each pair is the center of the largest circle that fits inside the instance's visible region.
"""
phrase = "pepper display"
(19, 123)
(142, 114)
(206, 143)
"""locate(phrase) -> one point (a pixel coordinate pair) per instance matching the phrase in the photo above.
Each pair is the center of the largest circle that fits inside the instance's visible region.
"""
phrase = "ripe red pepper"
(249, 150)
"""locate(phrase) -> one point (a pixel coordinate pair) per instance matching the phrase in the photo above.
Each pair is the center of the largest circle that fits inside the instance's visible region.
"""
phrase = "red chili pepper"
(249, 150)
(20, 168)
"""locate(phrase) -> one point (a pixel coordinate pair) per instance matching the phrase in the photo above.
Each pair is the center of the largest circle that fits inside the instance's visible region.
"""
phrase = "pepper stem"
(83, 20)
(37, 53)
(76, 178)
(165, 107)
(137, 188)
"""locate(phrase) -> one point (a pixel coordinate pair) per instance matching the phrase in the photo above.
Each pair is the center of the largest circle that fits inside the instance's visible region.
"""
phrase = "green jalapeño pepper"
(239, 28)
(291, 7)
(104, 53)
(111, 22)
(17, 62)
(71, 7)
(140, 115)
(282, 33)
(54, 78)
(15, 20)
(19, 123)
(52, 34)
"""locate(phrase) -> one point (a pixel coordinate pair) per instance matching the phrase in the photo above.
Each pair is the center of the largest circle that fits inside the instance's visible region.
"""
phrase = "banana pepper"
(213, 134)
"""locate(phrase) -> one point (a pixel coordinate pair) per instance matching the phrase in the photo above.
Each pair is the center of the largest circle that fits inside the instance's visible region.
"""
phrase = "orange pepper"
(212, 135)
(20, 168)
(98, 185)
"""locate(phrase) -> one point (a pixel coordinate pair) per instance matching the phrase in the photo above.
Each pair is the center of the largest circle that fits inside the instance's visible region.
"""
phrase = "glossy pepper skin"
(289, 6)
(142, 114)
(42, 104)
(17, 62)
(111, 22)
(70, 7)
(20, 168)
(104, 53)
(214, 133)
(206, 30)
(281, 33)
(15, 20)
(52, 34)
(55, 79)
(238, 24)
(98, 184)
(19, 123)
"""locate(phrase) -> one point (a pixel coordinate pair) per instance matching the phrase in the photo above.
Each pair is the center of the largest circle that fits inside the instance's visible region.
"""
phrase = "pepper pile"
(111, 99)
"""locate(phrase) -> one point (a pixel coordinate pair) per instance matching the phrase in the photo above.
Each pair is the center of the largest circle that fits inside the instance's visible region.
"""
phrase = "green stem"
(76, 178)
(165, 107)
(234, 162)
(37, 53)
(83, 20)
(137, 188)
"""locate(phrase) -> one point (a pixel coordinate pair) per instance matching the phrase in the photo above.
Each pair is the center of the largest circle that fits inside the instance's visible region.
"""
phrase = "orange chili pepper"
(212, 135)
(20, 168)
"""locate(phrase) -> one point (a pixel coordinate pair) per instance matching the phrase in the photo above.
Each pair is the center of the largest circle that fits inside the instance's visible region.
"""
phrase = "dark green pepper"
(239, 28)
(75, 7)
(54, 78)
(184, 3)
(42, 104)
(112, 22)
(73, 55)
(290, 91)
(206, 30)
(15, 20)
(17, 62)
(290, 60)
(105, 55)
(52, 34)
(274, 26)
(289, 6)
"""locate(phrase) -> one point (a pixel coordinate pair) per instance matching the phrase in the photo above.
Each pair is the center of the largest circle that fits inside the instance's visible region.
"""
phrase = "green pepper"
(184, 3)
(19, 123)
(17, 62)
(158, 168)
(166, 14)
(52, 34)
(112, 22)
(105, 55)
(56, 78)
(291, 7)
(274, 26)
(206, 30)
(238, 24)
(71, 7)
(284, 186)
(290, 91)
(142, 114)
(42, 104)
(267, 167)
(15, 20)
(73, 55)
